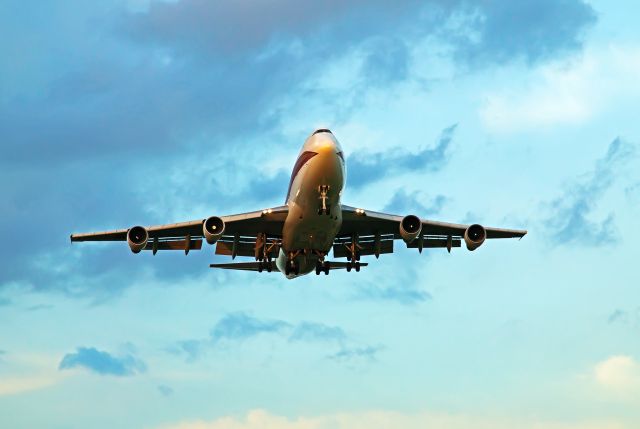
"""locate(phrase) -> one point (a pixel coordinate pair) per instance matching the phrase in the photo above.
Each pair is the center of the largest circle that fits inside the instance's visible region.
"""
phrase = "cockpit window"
(321, 130)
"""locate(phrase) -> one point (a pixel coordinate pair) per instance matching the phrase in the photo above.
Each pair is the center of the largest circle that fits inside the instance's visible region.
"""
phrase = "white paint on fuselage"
(305, 230)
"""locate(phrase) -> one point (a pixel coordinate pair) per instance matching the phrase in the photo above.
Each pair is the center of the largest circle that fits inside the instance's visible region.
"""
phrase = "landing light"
(267, 211)
(359, 211)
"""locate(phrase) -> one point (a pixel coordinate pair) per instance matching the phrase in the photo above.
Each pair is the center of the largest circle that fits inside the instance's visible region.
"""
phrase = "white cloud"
(618, 373)
(564, 93)
(16, 385)
(260, 419)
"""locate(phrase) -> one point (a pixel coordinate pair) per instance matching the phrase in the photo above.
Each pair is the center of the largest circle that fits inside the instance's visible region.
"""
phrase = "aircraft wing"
(377, 231)
(239, 229)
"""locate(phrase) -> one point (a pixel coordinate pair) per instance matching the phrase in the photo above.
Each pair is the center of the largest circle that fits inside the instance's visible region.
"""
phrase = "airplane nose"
(327, 147)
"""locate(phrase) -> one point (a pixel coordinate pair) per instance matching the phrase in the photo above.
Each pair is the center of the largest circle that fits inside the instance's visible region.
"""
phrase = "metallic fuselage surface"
(321, 164)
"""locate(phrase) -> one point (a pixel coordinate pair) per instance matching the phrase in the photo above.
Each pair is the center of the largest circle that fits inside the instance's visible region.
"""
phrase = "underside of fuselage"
(315, 214)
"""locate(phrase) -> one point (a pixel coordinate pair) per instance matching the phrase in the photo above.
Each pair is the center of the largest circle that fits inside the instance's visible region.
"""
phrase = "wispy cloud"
(103, 363)
(570, 220)
(165, 390)
(311, 331)
(405, 202)
(366, 168)
(406, 294)
(347, 354)
(241, 326)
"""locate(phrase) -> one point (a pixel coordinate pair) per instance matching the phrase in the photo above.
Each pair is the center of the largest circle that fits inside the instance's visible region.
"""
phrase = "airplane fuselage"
(315, 213)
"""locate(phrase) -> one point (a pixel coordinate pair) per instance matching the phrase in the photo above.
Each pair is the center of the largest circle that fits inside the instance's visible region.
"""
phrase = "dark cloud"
(102, 363)
(106, 105)
(570, 221)
(241, 326)
(311, 331)
(165, 390)
(365, 168)
(347, 354)
(404, 202)
(532, 30)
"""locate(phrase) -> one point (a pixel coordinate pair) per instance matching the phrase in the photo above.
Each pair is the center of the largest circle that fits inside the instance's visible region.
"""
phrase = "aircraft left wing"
(376, 232)
(238, 229)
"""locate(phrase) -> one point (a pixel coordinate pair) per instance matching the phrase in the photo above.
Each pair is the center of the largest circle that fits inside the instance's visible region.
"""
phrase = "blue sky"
(515, 114)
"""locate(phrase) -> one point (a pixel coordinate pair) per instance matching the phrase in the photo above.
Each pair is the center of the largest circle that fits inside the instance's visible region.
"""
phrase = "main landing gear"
(353, 254)
(322, 266)
(292, 267)
(324, 192)
(263, 251)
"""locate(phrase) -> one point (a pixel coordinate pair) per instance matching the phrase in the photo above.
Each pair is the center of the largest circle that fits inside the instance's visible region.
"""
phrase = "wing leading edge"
(366, 223)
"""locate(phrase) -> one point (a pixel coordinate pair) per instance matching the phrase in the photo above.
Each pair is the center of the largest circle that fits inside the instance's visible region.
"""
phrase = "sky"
(511, 114)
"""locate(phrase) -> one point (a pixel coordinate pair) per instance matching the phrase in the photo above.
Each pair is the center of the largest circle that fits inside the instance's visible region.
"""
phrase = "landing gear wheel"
(349, 267)
(357, 267)
(326, 267)
(260, 266)
(269, 269)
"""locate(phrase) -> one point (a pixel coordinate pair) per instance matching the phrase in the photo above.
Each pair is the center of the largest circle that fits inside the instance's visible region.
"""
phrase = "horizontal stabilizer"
(253, 266)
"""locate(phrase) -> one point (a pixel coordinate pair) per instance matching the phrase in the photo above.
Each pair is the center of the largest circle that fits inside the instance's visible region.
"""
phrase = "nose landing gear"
(324, 192)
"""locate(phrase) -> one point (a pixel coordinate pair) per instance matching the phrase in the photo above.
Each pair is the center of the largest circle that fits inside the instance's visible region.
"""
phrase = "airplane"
(295, 239)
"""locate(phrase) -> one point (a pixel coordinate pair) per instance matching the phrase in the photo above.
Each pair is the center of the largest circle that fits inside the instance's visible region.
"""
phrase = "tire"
(357, 267)
(348, 268)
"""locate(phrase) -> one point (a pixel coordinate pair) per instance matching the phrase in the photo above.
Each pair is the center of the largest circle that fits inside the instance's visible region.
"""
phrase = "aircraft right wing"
(375, 233)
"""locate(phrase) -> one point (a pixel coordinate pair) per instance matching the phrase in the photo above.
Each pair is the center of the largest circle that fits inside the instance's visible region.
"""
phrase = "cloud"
(564, 92)
(404, 202)
(365, 168)
(618, 316)
(620, 373)
(17, 385)
(241, 326)
(311, 331)
(102, 363)
(570, 221)
(165, 390)
(383, 419)
(407, 294)
(146, 93)
(348, 354)
(531, 30)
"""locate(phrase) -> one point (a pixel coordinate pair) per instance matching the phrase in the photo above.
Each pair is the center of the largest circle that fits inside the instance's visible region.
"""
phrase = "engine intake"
(137, 238)
(474, 236)
(213, 228)
(410, 228)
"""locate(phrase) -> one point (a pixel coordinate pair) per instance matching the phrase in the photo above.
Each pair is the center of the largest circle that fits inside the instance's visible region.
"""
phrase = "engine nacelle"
(212, 228)
(474, 236)
(410, 228)
(137, 238)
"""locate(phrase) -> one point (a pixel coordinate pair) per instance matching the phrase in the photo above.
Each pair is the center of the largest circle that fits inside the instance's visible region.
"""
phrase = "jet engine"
(137, 238)
(474, 236)
(410, 228)
(213, 227)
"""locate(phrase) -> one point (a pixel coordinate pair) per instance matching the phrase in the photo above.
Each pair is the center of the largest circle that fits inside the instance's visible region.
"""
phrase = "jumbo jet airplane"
(296, 238)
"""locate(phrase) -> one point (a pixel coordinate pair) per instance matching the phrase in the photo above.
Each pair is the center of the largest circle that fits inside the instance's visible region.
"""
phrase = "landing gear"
(292, 266)
(322, 266)
(263, 251)
(352, 265)
(324, 192)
